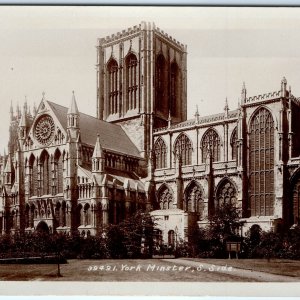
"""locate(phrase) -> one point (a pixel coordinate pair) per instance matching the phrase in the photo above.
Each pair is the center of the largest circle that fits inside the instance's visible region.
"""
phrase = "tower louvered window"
(261, 164)
(160, 152)
(183, 149)
(161, 84)
(173, 89)
(131, 81)
(211, 144)
(112, 69)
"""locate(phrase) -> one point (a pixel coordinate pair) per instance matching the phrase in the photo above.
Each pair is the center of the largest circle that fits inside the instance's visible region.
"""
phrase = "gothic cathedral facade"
(66, 171)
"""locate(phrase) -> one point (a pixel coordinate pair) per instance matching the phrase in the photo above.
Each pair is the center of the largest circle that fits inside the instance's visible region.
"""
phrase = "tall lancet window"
(233, 144)
(33, 176)
(46, 173)
(113, 89)
(211, 144)
(131, 81)
(160, 152)
(183, 149)
(261, 163)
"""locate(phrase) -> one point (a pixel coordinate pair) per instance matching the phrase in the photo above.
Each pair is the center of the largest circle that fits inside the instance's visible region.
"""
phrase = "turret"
(98, 157)
(73, 114)
(73, 120)
(283, 87)
(8, 171)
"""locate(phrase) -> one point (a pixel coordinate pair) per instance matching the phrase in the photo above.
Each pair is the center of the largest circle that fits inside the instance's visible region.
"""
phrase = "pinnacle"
(73, 109)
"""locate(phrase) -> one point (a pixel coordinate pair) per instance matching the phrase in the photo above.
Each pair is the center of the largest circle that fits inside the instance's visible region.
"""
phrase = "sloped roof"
(112, 136)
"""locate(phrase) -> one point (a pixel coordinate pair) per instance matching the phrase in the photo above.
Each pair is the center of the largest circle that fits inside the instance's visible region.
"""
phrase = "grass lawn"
(274, 266)
(145, 270)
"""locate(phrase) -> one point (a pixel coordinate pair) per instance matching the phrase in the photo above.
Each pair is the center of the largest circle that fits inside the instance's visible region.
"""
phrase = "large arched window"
(194, 199)
(112, 84)
(161, 84)
(46, 172)
(33, 176)
(261, 163)
(160, 152)
(165, 198)
(174, 89)
(183, 149)
(233, 144)
(131, 81)
(211, 144)
(296, 202)
(226, 194)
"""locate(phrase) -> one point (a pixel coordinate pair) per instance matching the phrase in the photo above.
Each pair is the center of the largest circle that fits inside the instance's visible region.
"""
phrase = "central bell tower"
(141, 81)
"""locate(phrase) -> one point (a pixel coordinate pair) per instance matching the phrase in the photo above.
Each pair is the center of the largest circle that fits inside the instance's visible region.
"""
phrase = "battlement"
(295, 100)
(136, 29)
(120, 34)
(263, 97)
(202, 120)
(169, 37)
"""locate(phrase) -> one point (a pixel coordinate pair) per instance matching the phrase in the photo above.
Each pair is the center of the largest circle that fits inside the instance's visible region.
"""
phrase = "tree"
(131, 238)
(225, 223)
(58, 243)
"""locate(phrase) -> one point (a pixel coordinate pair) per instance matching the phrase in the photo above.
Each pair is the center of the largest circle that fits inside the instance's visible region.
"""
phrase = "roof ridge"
(81, 113)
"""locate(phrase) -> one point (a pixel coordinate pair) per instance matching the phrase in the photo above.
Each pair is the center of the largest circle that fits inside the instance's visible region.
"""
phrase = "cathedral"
(69, 172)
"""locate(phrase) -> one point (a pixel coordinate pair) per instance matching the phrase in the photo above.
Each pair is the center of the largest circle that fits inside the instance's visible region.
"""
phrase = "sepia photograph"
(149, 145)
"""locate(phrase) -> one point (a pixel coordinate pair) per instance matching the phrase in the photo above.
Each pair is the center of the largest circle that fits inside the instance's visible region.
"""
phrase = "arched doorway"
(42, 227)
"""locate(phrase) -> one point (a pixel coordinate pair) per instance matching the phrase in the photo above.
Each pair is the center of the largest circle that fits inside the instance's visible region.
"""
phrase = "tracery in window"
(183, 149)
(226, 194)
(46, 174)
(160, 152)
(165, 197)
(194, 199)
(211, 144)
(261, 163)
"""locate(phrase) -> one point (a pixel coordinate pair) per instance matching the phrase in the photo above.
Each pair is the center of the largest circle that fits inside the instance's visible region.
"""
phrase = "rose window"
(44, 130)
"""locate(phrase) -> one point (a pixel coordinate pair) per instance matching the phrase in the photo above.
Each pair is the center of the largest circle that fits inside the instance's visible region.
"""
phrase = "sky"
(52, 50)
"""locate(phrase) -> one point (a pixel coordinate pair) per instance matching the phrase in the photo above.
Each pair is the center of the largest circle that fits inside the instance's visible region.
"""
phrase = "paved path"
(233, 271)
